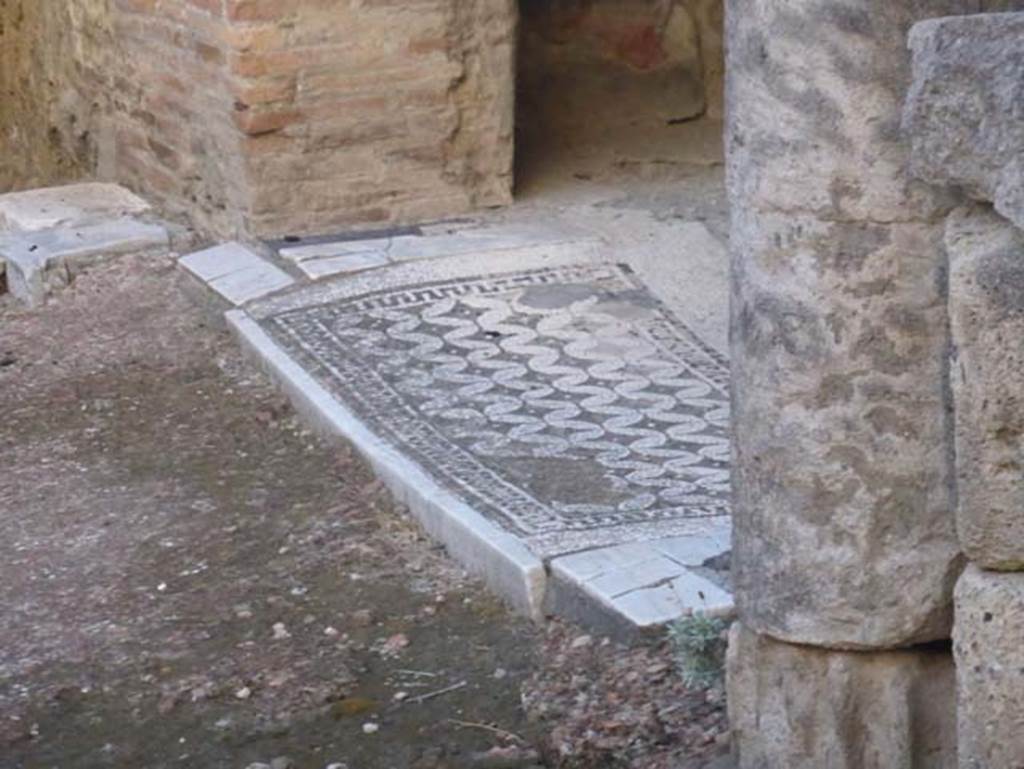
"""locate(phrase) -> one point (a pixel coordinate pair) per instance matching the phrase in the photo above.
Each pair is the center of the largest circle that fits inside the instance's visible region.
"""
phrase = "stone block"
(986, 307)
(988, 644)
(798, 707)
(963, 111)
(68, 206)
(635, 588)
(843, 512)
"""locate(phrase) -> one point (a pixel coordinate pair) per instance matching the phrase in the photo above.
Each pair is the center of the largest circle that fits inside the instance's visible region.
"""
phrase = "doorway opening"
(617, 89)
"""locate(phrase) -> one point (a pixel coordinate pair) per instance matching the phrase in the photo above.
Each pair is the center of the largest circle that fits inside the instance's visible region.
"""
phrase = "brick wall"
(265, 117)
(274, 117)
(171, 100)
(372, 112)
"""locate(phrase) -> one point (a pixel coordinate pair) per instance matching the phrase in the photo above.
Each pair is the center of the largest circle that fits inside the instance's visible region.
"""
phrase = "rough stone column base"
(800, 707)
(988, 643)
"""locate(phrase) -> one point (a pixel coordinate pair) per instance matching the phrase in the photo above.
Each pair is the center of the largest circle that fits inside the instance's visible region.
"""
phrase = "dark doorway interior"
(610, 84)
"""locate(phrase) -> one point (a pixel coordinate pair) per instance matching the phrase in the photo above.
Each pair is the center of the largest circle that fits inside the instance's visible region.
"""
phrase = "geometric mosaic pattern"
(564, 403)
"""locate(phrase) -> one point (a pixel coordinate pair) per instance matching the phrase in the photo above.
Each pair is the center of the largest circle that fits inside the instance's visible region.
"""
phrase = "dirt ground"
(188, 578)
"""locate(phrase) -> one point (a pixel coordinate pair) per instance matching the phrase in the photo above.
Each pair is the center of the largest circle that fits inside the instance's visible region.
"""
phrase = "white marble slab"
(40, 261)
(235, 272)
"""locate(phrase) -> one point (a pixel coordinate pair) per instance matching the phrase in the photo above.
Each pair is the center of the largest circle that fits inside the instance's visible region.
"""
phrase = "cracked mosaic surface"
(564, 403)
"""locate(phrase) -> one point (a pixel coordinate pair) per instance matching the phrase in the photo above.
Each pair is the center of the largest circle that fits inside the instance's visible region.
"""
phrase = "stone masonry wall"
(867, 302)
(53, 64)
(963, 119)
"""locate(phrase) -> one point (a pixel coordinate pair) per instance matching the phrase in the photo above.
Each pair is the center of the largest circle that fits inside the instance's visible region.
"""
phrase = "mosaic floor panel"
(562, 402)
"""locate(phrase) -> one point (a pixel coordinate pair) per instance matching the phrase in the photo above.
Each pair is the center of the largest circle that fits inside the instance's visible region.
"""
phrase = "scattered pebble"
(580, 641)
(500, 673)
(370, 728)
(282, 762)
(244, 693)
(330, 632)
(394, 645)
(281, 632)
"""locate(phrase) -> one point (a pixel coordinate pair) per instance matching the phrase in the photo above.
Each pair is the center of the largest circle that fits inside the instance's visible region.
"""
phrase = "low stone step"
(41, 261)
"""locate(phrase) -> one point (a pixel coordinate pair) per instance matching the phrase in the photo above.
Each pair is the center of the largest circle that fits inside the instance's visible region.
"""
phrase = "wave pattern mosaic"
(564, 403)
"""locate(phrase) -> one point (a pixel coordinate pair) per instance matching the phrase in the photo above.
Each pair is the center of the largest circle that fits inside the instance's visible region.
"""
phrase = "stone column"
(800, 707)
(844, 534)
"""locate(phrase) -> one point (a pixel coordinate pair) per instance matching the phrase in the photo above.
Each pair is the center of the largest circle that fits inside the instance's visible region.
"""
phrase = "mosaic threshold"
(551, 422)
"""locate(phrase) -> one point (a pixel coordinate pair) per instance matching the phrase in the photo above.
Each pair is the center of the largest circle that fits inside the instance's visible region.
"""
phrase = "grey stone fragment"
(988, 644)
(42, 261)
(637, 613)
(630, 589)
(965, 110)
(986, 306)
(844, 518)
(797, 707)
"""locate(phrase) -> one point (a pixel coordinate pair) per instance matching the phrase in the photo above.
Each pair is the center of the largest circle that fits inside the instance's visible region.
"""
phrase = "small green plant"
(699, 644)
